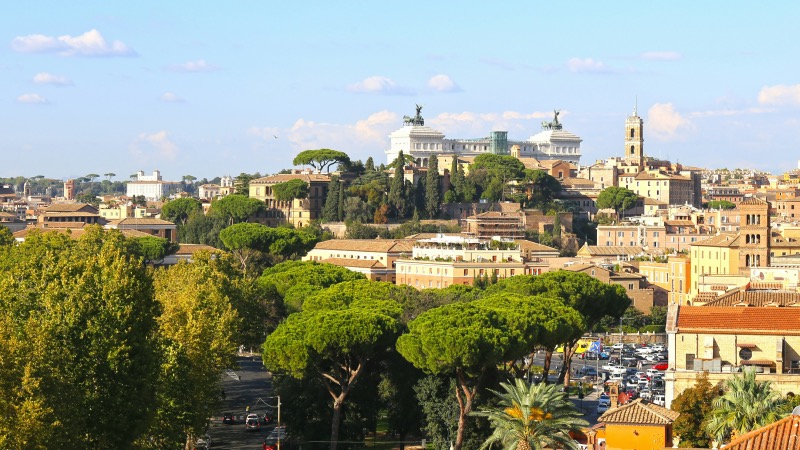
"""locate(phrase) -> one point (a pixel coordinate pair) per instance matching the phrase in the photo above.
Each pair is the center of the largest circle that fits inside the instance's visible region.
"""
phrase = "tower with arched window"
(634, 140)
(754, 234)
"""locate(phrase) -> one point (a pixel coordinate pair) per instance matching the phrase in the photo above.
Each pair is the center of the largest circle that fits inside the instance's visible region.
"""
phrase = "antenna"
(635, 105)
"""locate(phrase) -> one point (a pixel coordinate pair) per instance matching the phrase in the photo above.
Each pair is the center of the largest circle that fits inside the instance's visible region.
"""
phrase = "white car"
(652, 372)
(601, 408)
(658, 348)
(643, 350)
(618, 346)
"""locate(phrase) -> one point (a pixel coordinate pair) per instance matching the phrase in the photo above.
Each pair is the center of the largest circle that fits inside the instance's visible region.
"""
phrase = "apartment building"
(375, 258)
(300, 211)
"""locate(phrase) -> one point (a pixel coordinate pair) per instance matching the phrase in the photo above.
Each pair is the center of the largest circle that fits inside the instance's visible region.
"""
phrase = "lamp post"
(278, 427)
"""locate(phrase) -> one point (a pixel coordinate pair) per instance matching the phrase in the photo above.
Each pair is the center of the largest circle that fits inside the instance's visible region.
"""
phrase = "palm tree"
(745, 406)
(532, 417)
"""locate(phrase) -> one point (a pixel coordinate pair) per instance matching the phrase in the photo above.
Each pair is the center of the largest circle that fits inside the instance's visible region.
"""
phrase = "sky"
(219, 88)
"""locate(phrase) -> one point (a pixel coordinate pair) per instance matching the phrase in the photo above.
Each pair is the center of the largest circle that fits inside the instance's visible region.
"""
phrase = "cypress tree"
(330, 213)
(396, 187)
(340, 202)
(433, 196)
(369, 166)
(419, 198)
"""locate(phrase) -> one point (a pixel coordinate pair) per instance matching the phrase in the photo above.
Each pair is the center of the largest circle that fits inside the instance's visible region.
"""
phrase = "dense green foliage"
(694, 404)
(321, 159)
(618, 198)
(179, 210)
(720, 204)
(101, 351)
(745, 405)
(533, 416)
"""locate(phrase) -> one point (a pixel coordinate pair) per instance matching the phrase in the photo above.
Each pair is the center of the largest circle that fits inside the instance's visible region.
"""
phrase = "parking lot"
(626, 366)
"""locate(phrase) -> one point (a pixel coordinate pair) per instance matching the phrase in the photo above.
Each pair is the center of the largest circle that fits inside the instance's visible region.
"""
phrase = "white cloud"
(91, 43)
(443, 83)
(378, 85)
(780, 94)
(170, 97)
(49, 78)
(154, 147)
(666, 124)
(34, 99)
(364, 138)
(587, 65)
(662, 56)
(193, 66)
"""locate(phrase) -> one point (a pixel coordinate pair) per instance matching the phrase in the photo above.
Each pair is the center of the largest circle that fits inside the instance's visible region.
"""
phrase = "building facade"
(300, 211)
(421, 141)
(152, 187)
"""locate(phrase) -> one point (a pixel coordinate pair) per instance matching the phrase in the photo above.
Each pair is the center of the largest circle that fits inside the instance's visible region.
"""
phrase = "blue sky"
(204, 88)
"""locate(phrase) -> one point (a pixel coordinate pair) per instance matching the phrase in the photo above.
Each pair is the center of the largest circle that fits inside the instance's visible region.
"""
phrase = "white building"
(152, 187)
(421, 142)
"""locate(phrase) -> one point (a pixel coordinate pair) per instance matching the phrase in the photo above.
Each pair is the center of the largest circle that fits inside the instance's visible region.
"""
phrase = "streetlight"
(278, 427)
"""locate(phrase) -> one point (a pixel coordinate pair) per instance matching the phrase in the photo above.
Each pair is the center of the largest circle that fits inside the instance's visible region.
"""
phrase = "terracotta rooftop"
(679, 223)
(69, 207)
(367, 245)
(597, 250)
(359, 263)
(756, 297)
(527, 245)
(283, 177)
(783, 434)
(721, 240)
(741, 320)
(639, 412)
(752, 201)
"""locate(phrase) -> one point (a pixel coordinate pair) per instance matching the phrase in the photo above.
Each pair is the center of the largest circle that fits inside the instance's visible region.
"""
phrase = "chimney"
(613, 393)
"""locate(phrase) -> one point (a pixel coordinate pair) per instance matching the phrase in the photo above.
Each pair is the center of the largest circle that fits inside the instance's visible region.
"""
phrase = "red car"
(661, 366)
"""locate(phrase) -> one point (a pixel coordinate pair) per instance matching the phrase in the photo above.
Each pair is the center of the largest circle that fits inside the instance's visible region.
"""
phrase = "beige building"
(674, 276)
(723, 340)
(643, 294)
(375, 258)
(299, 212)
(118, 212)
(446, 260)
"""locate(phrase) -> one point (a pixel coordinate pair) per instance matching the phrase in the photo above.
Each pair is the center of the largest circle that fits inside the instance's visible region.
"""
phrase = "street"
(254, 383)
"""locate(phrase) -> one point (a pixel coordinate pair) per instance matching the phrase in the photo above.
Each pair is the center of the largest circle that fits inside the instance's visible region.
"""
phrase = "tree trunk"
(337, 418)
(548, 356)
(465, 397)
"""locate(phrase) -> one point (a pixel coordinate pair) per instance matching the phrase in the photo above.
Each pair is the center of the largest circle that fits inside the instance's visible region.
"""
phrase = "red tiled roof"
(367, 245)
(783, 434)
(741, 320)
(639, 412)
(755, 297)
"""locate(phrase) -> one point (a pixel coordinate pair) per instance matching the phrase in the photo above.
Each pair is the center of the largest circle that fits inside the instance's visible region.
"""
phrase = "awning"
(758, 362)
(746, 345)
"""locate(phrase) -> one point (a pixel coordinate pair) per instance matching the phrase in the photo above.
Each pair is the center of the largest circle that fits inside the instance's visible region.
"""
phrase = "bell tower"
(634, 140)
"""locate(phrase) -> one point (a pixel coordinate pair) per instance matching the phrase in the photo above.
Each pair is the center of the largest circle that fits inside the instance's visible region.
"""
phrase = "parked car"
(661, 366)
(659, 400)
(601, 408)
(604, 399)
(228, 418)
(252, 423)
(652, 372)
(618, 346)
(271, 442)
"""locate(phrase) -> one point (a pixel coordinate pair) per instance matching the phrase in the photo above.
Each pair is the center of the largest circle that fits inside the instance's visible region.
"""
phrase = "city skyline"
(196, 89)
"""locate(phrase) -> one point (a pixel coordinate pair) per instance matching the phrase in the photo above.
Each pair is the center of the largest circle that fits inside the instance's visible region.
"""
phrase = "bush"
(654, 329)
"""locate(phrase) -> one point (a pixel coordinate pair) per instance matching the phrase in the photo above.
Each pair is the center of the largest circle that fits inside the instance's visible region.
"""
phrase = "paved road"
(254, 382)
